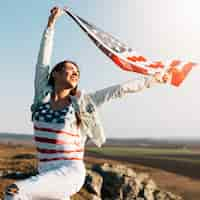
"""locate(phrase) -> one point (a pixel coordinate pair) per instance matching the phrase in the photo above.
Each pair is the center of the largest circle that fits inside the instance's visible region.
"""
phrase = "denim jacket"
(87, 103)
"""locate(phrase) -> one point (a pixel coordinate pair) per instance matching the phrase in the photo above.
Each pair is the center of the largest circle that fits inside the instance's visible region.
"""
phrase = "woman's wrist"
(51, 23)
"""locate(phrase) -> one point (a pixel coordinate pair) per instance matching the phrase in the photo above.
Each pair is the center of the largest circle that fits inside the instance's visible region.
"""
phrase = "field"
(180, 161)
(173, 169)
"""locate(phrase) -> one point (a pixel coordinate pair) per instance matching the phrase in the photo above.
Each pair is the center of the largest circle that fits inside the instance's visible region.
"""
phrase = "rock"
(142, 177)
(16, 175)
(162, 195)
(93, 183)
(149, 189)
(109, 182)
(131, 188)
(25, 156)
(118, 182)
(120, 170)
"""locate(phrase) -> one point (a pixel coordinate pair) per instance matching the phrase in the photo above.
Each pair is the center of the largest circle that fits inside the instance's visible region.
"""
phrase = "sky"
(159, 30)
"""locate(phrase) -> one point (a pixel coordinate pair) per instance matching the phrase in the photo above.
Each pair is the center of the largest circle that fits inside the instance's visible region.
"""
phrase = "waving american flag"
(128, 59)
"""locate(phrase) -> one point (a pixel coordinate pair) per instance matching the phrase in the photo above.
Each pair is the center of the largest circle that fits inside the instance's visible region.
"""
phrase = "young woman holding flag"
(64, 117)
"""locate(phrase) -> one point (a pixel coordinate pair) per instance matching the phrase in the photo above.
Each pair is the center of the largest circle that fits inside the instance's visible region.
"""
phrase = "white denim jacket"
(87, 104)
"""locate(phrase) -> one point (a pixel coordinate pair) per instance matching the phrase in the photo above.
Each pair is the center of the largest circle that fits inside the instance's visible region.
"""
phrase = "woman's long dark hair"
(51, 82)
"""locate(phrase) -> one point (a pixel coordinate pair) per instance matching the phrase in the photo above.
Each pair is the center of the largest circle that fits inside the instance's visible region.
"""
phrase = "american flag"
(128, 59)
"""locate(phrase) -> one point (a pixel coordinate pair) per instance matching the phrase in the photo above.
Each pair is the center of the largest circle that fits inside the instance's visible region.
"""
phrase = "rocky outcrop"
(118, 182)
(109, 182)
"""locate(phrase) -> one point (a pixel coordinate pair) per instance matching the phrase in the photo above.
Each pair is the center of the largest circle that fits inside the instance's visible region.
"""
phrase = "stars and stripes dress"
(56, 135)
(60, 150)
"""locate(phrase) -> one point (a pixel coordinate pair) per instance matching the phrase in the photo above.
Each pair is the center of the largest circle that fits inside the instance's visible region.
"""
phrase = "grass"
(140, 150)
(164, 161)
(186, 155)
(185, 162)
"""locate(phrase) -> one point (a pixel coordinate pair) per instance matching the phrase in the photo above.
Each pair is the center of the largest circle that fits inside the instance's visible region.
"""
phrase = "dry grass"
(7, 162)
(184, 186)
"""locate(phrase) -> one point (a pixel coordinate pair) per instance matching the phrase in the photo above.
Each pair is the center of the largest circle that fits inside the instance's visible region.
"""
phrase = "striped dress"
(60, 149)
(57, 137)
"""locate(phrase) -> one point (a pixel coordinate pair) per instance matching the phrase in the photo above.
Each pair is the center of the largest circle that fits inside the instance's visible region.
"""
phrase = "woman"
(63, 119)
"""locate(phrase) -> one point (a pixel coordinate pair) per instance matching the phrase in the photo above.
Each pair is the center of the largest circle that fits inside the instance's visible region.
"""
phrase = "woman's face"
(68, 76)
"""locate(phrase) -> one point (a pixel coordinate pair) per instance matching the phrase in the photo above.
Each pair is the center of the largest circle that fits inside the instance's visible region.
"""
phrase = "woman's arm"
(117, 91)
(44, 57)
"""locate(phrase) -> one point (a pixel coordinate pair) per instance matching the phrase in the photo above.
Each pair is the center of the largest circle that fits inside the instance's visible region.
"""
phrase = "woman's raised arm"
(117, 91)
(44, 57)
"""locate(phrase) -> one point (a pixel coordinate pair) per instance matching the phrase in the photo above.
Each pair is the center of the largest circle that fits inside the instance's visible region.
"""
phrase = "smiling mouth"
(74, 79)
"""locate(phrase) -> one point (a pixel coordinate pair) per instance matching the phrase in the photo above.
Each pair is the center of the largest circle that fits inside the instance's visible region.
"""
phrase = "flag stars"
(46, 114)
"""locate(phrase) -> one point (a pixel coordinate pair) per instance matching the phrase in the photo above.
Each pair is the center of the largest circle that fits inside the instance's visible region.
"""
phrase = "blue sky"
(160, 30)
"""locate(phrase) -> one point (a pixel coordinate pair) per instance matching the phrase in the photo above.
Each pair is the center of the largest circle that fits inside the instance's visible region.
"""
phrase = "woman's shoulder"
(81, 99)
(80, 95)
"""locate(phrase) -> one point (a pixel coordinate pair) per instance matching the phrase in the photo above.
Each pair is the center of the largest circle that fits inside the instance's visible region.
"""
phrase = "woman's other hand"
(160, 78)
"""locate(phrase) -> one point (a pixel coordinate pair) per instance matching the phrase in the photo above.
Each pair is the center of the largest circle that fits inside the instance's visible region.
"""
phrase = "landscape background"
(173, 164)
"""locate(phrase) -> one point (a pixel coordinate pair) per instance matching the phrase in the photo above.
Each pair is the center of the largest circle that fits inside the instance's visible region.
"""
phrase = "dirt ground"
(184, 186)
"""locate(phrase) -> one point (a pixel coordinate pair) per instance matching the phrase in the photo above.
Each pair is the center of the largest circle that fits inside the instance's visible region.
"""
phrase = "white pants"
(53, 184)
